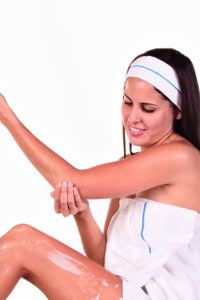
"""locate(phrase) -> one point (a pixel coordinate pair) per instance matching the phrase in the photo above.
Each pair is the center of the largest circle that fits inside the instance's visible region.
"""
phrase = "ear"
(178, 115)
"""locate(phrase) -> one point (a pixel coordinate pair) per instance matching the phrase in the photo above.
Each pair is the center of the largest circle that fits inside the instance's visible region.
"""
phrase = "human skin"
(147, 118)
(67, 201)
(104, 179)
(57, 270)
(170, 165)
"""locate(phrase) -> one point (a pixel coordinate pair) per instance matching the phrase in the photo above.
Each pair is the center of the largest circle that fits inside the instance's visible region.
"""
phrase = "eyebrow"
(144, 103)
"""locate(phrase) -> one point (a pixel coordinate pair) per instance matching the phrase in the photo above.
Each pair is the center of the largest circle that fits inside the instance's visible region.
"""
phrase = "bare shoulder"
(164, 164)
(181, 152)
(176, 152)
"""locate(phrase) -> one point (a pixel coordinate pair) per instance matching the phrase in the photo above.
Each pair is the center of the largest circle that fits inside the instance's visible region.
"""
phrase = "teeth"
(136, 129)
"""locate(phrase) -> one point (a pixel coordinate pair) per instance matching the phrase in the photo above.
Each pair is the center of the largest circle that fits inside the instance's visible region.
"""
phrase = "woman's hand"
(68, 201)
(5, 110)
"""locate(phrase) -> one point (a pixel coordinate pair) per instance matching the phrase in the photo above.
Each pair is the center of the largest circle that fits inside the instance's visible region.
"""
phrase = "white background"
(62, 66)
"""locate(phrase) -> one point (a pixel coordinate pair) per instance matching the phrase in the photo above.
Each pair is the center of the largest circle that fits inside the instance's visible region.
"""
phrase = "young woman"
(150, 249)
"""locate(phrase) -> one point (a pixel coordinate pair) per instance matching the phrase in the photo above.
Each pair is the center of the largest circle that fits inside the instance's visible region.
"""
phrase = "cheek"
(124, 112)
(162, 122)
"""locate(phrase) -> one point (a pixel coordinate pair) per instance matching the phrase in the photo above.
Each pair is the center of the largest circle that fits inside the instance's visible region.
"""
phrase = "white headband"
(159, 74)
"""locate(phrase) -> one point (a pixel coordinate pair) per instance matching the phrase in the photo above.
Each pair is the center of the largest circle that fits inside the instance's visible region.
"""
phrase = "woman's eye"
(128, 102)
(148, 110)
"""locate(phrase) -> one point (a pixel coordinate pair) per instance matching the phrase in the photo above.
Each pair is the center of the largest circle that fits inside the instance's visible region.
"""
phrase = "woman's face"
(147, 116)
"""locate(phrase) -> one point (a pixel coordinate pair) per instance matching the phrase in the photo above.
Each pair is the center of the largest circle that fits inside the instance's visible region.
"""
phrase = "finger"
(57, 192)
(56, 196)
(81, 204)
(70, 200)
(63, 199)
(78, 199)
(57, 207)
(56, 203)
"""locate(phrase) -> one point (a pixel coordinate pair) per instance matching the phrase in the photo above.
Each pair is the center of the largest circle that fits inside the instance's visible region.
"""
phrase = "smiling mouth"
(134, 131)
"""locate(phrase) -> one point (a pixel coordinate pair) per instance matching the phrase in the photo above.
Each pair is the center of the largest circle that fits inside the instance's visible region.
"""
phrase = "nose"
(135, 115)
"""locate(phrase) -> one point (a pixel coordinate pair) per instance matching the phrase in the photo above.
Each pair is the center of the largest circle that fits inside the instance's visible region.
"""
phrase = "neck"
(168, 138)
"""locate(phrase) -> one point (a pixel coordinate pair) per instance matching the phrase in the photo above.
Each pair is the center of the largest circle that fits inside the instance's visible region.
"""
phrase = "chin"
(137, 143)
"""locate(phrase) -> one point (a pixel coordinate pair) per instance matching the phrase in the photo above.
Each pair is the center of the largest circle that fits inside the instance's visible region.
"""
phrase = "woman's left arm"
(128, 176)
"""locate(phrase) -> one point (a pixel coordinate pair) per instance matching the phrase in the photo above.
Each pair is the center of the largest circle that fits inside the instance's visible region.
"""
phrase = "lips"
(135, 132)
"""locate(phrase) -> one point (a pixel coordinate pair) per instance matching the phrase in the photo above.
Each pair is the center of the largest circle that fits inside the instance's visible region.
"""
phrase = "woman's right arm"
(67, 201)
(93, 239)
(112, 209)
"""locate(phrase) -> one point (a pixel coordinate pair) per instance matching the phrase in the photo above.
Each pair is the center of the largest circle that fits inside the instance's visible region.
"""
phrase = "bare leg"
(58, 271)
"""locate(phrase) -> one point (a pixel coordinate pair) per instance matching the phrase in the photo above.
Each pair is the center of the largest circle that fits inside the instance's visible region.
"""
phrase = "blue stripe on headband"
(139, 66)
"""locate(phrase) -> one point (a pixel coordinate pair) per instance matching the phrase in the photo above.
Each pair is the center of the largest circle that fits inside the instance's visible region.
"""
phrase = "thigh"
(61, 272)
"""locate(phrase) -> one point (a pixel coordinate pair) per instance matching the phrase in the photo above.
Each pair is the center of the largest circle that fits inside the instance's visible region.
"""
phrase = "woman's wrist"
(83, 214)
(6, 113)
(9, 119)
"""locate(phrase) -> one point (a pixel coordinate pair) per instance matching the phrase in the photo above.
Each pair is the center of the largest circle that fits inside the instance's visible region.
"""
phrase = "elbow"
(73, 175)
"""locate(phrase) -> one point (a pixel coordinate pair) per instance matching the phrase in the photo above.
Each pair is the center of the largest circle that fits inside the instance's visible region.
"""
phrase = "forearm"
(53, 167)
(93, 240)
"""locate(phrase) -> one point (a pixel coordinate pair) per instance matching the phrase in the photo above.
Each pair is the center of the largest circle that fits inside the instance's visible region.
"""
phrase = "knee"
(19, 231)
(16, 239)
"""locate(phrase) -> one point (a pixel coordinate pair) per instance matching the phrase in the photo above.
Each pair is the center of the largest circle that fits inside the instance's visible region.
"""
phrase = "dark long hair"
(189, 124)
